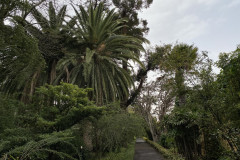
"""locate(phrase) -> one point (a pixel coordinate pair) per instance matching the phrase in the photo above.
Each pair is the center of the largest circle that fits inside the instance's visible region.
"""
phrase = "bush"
(117, 130)
(166, 140)
(123, 154)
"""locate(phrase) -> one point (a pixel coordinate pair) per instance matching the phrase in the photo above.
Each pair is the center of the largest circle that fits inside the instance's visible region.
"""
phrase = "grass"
(165, 152)
(124, 154)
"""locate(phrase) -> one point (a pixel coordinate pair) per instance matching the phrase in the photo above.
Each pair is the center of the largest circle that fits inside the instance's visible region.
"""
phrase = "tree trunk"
(28, 92)
(181, 91)
(67, 75)
(151, 127)
(52, 76)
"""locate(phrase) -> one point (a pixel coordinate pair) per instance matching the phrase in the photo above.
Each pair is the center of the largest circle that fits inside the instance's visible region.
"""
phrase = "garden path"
(144, 151)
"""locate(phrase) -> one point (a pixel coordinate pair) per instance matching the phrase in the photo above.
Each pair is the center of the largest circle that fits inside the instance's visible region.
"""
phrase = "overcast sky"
(211, 25)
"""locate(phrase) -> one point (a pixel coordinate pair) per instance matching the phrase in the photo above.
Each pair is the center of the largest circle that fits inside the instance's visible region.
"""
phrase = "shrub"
(116, 130)
(123, 154)
(166, 140)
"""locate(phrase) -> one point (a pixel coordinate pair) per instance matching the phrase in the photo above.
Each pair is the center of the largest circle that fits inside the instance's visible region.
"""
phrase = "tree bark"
(52, 76)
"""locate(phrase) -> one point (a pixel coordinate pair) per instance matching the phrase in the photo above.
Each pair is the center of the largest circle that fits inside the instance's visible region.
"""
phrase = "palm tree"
(97, 65)
(178, 59)
(50, 38)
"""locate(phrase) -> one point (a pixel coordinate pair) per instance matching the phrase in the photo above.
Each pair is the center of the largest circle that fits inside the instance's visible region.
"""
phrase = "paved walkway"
(144, 151)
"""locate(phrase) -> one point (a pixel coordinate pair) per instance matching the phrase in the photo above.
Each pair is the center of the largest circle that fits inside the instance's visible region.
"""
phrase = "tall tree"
(179, 60)
(49, 32)
(133, 26)
(97, 63)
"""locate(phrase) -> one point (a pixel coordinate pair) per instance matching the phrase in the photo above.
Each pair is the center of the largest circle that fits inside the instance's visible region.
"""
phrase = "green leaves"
(116, 130)
(45, 127)
(67, 105)
(38, 149)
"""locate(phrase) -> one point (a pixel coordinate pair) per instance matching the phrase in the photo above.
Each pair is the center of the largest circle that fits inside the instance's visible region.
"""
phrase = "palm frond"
(61, 15)
(42, 21)
(52, 16)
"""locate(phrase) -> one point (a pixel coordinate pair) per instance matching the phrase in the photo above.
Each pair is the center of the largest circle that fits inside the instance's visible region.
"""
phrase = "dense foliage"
(69, 89)
(57, 124)
(205, 125)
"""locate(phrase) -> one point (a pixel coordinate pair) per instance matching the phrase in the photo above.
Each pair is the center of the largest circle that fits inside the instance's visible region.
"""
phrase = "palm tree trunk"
(181, 92)
(67, 75)
(53, 72)
(34, 82)
(28, 92)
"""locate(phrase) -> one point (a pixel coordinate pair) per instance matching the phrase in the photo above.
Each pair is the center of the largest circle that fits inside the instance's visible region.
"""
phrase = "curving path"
(144, 151)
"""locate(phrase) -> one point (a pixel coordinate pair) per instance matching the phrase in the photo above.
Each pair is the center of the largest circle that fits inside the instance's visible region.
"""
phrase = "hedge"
(165, 152)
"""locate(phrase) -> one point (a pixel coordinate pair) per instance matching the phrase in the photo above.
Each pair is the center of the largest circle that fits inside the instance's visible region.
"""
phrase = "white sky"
(211, 25)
